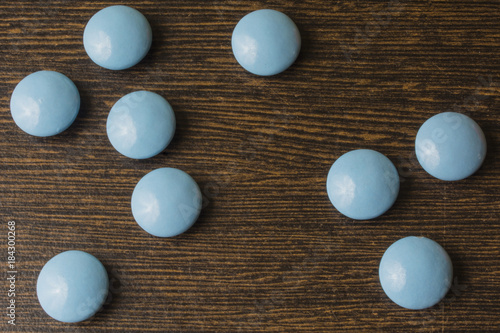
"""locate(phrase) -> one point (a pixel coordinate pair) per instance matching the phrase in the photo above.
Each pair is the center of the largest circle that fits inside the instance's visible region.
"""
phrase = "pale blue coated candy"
(117, 37)
(266, 42)
(415, 272)
(44, 103)
(362, 184)
(72, 286)
(166, 202)
(141, 124)
(450, 146)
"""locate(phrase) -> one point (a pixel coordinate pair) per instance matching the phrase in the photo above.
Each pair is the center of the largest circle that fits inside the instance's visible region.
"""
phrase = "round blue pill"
(166, 202)
(141, 124)
(266, 42)
(117, 37)
(450, 146)
(72, 286)
(44, 103)
(415, 272)
(362, 184)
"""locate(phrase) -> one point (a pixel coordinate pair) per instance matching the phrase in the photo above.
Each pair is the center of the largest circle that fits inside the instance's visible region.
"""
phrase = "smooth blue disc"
(362, 184)
(166, 202)
(117, 37)
(72, 286)
(141, 124)
(450, 146)
(266, 42)
(44, 103)
(415, 272)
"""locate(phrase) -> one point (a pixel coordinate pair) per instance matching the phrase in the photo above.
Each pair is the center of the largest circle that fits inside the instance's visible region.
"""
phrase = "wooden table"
(269, 252)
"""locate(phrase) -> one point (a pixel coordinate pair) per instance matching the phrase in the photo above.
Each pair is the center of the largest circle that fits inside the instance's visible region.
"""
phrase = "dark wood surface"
(269, 252)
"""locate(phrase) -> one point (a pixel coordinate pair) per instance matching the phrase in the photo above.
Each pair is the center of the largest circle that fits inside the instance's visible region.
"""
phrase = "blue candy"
(415, 272)
(362, 184)
(141, 124)
(266, 42)
(450, 146)
(166, 202)
(72, 286)
(117, 37)
(44, 103)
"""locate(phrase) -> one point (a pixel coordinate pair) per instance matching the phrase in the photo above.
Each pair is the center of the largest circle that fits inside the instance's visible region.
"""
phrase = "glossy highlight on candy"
(72, 286)
(266, 42)
(362, 184)
(166, 202)
(45, 103)
(415, 272)
(450, 146)
(117, 37)
(141, 124)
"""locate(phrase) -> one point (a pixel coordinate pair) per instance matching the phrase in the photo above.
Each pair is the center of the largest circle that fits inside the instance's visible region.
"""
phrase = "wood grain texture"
(269, 253)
